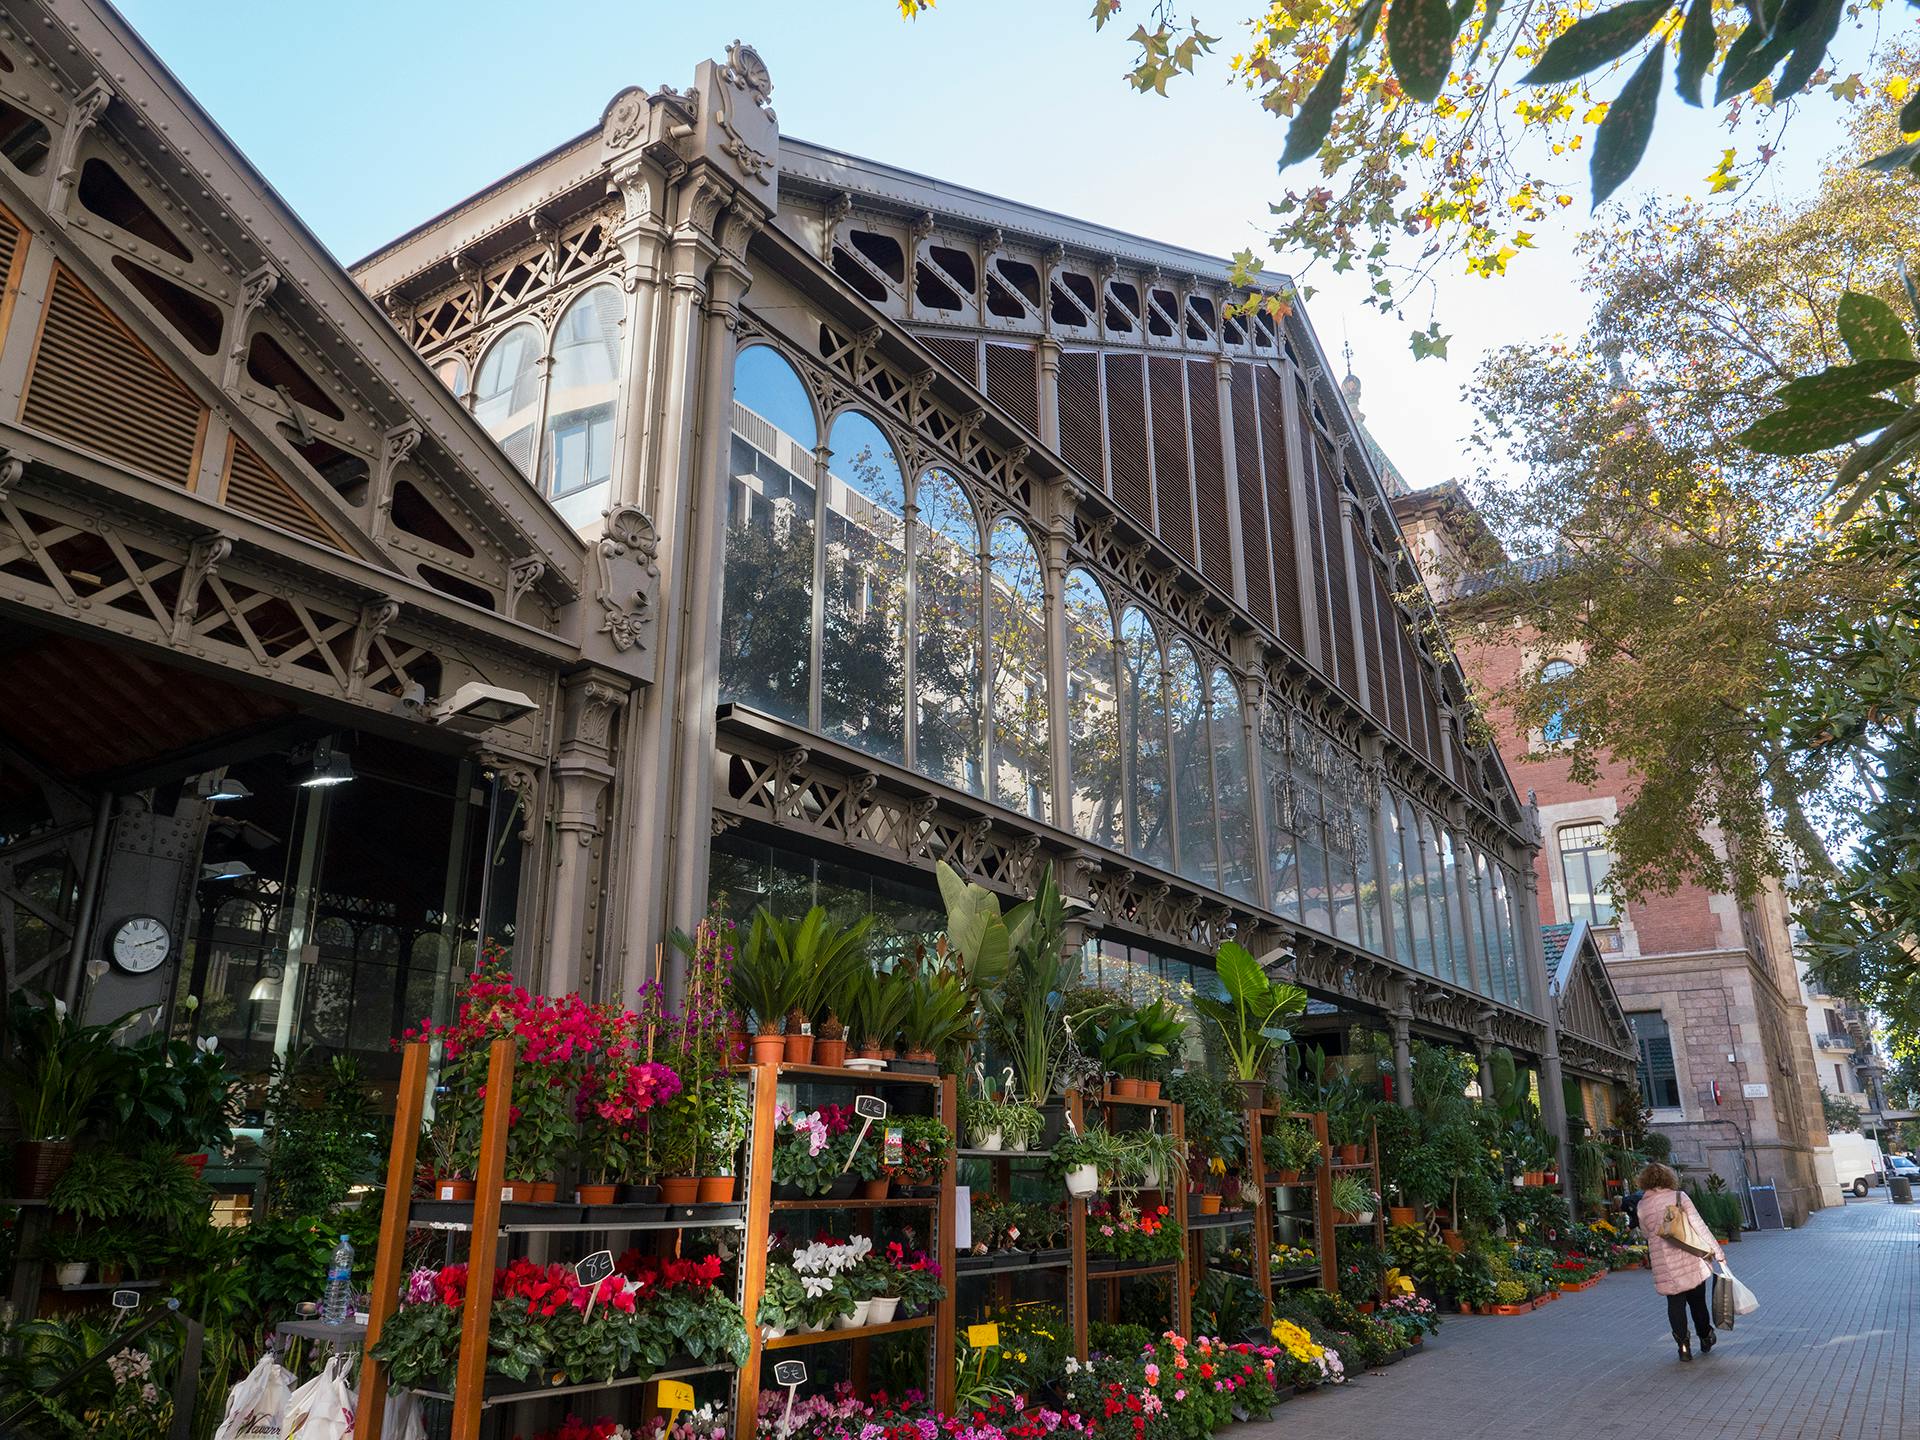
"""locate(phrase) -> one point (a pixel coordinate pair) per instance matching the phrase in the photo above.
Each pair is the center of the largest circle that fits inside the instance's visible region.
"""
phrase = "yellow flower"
(1398, 1284)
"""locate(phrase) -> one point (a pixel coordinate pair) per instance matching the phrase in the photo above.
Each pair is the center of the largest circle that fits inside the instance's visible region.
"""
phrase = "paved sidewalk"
(1831, 1354)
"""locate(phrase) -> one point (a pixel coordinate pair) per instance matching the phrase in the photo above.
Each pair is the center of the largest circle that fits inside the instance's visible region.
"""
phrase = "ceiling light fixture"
(475, 707)
(224, 787)
(225, 870)
(329, 767)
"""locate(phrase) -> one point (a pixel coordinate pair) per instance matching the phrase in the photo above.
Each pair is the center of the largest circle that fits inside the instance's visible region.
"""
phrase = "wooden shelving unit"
(1262, 1219)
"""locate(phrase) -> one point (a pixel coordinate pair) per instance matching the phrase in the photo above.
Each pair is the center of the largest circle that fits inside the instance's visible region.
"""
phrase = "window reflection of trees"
(864, 586)
(1144, 711)
(1093, 716)
(949, 736)
(1192, 755)
(1017, 650)
(1233, 802)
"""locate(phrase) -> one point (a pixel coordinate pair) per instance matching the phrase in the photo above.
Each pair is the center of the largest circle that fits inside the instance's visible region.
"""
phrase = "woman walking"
(1678, 1273)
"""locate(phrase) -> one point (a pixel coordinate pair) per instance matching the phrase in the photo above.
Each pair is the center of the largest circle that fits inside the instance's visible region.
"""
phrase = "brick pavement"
(1830, 1355)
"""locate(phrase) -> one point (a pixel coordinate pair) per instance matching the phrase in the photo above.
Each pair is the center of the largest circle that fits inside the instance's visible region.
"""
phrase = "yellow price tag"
(983, 1336)
(674, 1395)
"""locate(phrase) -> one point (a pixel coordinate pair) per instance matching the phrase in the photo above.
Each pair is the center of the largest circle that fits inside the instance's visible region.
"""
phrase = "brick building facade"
(1709, 984)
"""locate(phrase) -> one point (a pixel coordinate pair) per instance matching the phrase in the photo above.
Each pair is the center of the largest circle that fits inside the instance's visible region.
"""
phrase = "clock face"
(141, 943)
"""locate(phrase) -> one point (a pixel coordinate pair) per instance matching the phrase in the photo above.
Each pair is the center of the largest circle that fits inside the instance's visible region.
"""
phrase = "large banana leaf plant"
(1249, 1018)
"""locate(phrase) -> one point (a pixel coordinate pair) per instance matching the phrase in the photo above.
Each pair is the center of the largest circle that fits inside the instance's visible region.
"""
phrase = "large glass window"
(766, 638)
(1093, 715)
(506, 393)
(1396, 896)
(580, 394)
(1437, 907)
(949, 737)
(1192, 756)
(1659, 1080)
(1584, 863)
(863, 690)
(1504, 934)
(1017, 650)
(1145, 736)
(1232, 800)
(1418, 915)
(1450, 858)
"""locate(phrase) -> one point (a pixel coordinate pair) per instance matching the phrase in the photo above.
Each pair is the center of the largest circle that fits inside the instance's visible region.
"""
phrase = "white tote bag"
(404, 1418)
(257, 1406)
(322, 1409)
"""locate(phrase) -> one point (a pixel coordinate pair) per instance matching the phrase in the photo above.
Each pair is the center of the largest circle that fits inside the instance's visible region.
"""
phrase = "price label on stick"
(590, 1271)
(792, 1374)
(983, 1337)
(675, 1397)
(869, 1108)
(126, 1299)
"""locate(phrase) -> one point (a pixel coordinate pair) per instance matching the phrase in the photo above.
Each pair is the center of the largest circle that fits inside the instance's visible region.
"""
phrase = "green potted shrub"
(1291, 1152)
(67, 1251)
(762, 988)
(1160, 1030)
(983, 1121)
(1022, 1125)
(54, 1069)
(1083, 1159)
(926, 1147)
(1249, 1018)
(811, 952)
(1353, 1201)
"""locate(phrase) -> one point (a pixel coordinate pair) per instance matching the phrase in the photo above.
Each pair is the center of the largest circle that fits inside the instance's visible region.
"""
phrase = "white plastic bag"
(1745, 1302)
(257, 1406)
(404, 1418)
(322, 1409)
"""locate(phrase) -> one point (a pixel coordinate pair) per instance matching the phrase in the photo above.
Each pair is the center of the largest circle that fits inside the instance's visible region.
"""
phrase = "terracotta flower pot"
(595, 1194)
(1402, 1215)
(799, 1049)
(545, 1192)
(517, 1191)
(679, 1189)
(737, 1043)
(868, 1052)
(1365, 1307)
(1454, 1241)
(1209, 1204)
(830, 1052)
(1126, 1087)
(38, 1166)
(452, 1189)
(1253, 1093)
(716, 1190)
(1350, 1154)
(920, 1057)
(874, 1189)
(769, 1049)
(1286, 1177)
(1149, 1089)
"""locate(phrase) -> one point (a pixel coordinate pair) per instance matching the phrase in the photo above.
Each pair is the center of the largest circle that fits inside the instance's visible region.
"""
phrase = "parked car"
(1857, 1161)
(1903, 1165)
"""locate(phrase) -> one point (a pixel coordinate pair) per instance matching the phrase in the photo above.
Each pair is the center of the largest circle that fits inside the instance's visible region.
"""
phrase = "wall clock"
(140, 943)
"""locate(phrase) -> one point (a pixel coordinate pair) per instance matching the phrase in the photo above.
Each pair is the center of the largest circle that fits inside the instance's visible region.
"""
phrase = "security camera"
(414, 697)
(477, 707)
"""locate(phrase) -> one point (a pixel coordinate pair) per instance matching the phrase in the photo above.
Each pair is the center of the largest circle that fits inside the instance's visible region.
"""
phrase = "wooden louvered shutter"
(1339, 598)
(1127, 436)
(1172, 487)
(94, 383)
(1209, 479)
(1286, 558)
(249, 485)
(1080, 442)
(1250, 492)
(1369, 624)
(960, 356)
(1013, 384)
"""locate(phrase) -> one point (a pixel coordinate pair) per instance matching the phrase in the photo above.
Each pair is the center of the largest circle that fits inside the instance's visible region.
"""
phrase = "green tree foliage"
(1698, 585)
(1841, 1113)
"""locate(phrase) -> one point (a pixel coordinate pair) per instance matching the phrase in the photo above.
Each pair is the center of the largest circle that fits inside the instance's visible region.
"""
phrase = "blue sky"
(369, 118)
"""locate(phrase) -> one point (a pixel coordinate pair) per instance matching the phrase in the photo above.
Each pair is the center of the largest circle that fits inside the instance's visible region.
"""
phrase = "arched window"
(1366, 873)
(1557, 729)
(506, 393)
(452, 373)
(949, 735)
(1017, 651)
(766, 635)
(1277, 792)
(1503, 891)
(1450, 874)
(1488, 947)
(1417, 912)
(584, 379)
(1396, 888)
(1437, 906)
(1231, 797)
(1093, 716)
(1192, 756)
(1144, 736)
(863, 698)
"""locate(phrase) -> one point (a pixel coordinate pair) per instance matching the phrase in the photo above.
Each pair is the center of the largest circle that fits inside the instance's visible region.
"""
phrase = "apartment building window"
(1557, 730)
(1584, 863)
(1839, 1079)
(1659, 1082)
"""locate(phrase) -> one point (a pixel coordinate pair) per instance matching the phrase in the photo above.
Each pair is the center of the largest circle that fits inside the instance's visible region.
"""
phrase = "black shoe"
(1706, 1341)
(1686, 1351)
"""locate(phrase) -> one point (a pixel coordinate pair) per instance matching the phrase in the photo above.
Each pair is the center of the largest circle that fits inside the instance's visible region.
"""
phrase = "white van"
(1857, 1161)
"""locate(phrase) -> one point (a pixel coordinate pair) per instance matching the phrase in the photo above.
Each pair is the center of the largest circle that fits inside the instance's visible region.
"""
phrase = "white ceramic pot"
(1019, 1147)
(857, 1319)
(988, 1139)
(880, 1309)
(73, 1272)
(774, 1332)
(1083, 1180)
(1365, 1217)
(1152, 1178)
(813, 1329)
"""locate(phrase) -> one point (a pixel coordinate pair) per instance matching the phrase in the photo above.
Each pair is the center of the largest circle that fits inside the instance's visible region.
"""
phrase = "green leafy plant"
(980, 1115)
(178, 1092)
(1094, 1145)
(1292, 1145)
(1216, 1121)
(323, 1133)
(101, 1184)
(1350, 1196)
(1021, 975)
(55, 1068)
(926, 1148)
(1022, 1124)
(1249, 1018)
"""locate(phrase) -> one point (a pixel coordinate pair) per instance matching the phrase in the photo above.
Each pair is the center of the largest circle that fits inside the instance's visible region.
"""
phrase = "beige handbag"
(1678, 1228)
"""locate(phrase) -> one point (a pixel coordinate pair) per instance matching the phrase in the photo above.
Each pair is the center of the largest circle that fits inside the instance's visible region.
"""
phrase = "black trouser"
(1677, 1307)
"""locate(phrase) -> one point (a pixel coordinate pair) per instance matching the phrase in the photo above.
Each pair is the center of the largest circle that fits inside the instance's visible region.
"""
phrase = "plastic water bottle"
(338, 1302)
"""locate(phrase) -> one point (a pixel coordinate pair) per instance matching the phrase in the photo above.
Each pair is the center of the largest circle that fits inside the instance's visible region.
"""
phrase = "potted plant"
(1021, 971)
(812, 952)
(843, 970)
(67, 1252)
(1352, 1201)
(1291, 1152)
(917, 1284)
(940, 1010)
(1159, 1032)
(1022, 1125)
(1083, 1159)
(783, 1302)
(1158, 1157)
(810, 1152)
(54, 1070)
(926, 1146)
(674, 1133)
(1249, 1018)
(617, 1090)
(728, 1113)
(762, 987)
(983, 1122)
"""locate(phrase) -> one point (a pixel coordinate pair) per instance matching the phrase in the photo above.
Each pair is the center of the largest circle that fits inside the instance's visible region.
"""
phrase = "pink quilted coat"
(1674, 1270)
